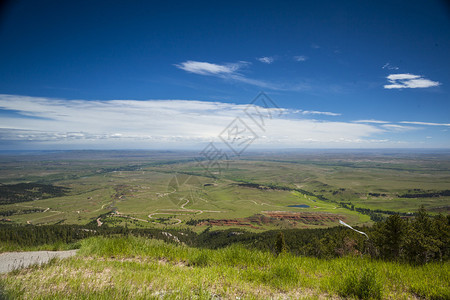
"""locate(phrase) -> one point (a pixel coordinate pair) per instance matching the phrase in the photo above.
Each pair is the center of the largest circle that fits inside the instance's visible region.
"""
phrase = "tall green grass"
(363, 284)
(139, 268)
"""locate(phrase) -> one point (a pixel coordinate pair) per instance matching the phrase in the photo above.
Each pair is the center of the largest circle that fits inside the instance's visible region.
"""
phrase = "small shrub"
(284, 276)
(200, 260)
(235, 255)
(361, 283)
(428, 291)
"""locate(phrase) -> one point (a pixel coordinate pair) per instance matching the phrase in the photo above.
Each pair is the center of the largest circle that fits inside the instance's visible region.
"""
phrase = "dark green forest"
(22, 192)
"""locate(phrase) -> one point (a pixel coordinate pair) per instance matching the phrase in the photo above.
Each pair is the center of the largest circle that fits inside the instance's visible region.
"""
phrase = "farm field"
(258, 191)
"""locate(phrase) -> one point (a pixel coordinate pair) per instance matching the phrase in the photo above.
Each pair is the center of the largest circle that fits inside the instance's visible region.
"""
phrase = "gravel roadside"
(13, 260)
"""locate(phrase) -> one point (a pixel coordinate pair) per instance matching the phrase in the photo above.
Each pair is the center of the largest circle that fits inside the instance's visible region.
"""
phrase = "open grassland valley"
(287, 225)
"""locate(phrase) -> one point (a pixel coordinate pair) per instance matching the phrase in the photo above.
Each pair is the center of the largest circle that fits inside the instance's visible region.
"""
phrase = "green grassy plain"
(160, 189)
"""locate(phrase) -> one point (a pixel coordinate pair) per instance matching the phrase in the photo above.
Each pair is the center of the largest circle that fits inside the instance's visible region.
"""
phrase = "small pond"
(299, 205)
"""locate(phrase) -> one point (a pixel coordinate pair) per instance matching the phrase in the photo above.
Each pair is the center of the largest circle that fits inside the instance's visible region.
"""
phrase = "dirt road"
(13, 260)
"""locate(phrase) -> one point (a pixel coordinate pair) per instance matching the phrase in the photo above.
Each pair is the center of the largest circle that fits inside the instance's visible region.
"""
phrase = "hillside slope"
(139, 268)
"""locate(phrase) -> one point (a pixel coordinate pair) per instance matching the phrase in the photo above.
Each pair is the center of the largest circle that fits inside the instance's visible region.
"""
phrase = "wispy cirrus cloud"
(315, 112)
(231, 72)
(300, 58)
(159, 124)
(396, 127)
(425, 123)
(411, 81)
(266, 59)
(205, 68)
(371, 121)
(389, 67)
(387, 125)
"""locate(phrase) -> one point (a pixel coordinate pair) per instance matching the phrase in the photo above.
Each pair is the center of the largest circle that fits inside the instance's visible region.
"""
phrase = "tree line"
(419, 239)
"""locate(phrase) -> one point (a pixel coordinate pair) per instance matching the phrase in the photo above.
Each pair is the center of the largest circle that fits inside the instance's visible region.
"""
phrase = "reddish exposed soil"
(229, 222)
(274, 217)
(305, 217)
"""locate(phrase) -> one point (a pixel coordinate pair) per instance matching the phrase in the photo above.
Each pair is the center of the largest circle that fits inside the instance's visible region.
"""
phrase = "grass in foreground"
(138, 268)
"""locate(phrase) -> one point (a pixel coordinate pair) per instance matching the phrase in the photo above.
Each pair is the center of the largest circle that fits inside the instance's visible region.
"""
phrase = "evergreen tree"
(389, 236)
(441, 227)
(280, 244)
(421, 244)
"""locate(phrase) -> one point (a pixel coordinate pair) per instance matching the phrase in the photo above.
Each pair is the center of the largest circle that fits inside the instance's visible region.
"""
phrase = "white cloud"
(257, 82)
(266, 59)
(205, 68)
(402, 76)
(389, 67)
(371, 121)
(425, 123)
(300, 58)
(315, 112)
(401, 81)
(160, 123)
(396, 127)
(230, 72)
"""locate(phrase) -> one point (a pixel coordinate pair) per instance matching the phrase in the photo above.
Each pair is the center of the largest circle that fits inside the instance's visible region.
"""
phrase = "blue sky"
(168, 74)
